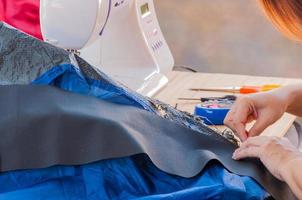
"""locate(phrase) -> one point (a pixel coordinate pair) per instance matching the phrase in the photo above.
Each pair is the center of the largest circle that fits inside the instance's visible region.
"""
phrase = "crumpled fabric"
(125, 178)
(133, 177)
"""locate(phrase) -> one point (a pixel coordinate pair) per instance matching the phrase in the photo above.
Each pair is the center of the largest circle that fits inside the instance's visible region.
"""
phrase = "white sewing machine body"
(120, 37)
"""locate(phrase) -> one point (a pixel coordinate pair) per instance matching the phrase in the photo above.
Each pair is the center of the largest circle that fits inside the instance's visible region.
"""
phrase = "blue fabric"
(127, 178)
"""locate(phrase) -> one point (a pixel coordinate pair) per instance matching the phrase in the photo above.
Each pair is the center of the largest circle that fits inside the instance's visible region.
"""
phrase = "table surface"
(180, 82)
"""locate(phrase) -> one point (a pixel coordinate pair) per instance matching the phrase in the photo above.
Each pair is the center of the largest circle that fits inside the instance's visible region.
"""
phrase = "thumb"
(261, 124)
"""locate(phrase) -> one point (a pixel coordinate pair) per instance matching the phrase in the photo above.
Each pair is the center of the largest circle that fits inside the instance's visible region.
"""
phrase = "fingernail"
(234, 155)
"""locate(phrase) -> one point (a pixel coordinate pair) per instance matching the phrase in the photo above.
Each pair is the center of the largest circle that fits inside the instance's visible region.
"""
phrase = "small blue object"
(211, 116)
(214, 110)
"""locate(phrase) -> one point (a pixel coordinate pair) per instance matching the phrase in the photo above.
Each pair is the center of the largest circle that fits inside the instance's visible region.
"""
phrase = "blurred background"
(227, 36)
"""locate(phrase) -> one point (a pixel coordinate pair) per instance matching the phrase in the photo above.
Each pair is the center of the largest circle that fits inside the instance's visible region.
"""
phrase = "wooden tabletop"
(180, 82)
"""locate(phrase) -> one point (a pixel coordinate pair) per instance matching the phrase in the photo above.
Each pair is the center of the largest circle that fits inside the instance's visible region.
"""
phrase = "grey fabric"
(41, 126)
(18, 50)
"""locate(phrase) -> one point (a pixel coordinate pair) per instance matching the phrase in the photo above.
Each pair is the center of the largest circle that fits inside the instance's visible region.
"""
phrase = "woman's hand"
(275, 153)
(279, 156)
(266, 108)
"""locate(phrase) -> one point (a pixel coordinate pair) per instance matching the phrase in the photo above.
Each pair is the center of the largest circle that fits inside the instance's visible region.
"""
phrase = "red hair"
(286, 15)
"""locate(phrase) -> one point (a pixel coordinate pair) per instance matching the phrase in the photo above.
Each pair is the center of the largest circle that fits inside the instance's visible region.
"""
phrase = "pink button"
(155, 31)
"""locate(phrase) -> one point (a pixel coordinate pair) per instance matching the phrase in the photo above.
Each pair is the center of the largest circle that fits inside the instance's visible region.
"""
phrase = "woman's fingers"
(249, 152)
(238, 117)
(275, 153)
(253, 107)
(240, 131)
(260, 125)
(254, 141)
(252, 147)
(238, 128)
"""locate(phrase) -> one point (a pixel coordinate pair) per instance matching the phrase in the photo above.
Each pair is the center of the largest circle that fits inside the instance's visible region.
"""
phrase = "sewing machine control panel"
(150, 26)
(153, 35)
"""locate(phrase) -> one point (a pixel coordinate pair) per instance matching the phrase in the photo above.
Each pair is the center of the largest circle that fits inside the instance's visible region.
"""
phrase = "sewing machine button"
(155, 31)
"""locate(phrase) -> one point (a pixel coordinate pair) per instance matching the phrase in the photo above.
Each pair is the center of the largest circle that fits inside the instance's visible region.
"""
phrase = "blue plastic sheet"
(126, 178)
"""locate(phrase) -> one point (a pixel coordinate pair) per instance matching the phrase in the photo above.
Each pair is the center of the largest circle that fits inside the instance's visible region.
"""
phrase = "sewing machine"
(120, 37)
